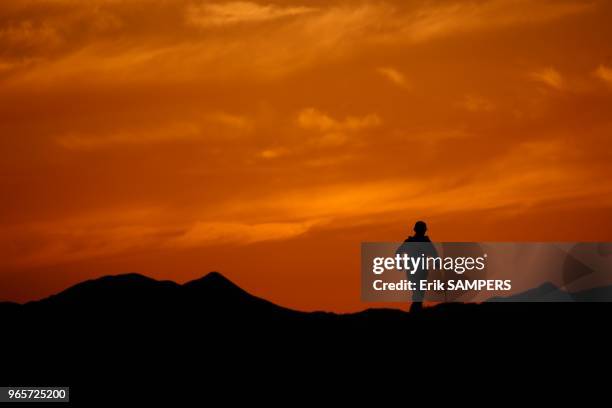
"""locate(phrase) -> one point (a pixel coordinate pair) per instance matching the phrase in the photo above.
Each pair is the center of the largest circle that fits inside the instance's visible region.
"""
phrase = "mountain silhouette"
(118, 328)
(548, 292)
(217, 299)
(215, 293)
(213, 296)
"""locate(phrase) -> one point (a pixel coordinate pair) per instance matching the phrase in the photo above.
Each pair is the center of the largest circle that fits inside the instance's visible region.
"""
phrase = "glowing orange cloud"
(266, 140)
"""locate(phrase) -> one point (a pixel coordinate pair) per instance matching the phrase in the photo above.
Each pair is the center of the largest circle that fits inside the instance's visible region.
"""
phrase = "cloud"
(27, 34)
(311, 118)
(393, 75)
(272, 153)
(237, 122)
(140, 136)
(437, 20)
(221, 14)
(289, 44)
(476, 103)
(110, 42)
(155, 78)
(93, 234)
(537, 177)
(542, 171)
(548, 76)
(159, 133)
(215, 233)
(334, 131)
(88, 235)
(604, 73)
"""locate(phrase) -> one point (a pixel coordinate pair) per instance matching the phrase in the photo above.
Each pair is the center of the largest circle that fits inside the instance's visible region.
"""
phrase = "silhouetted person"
(412, 248)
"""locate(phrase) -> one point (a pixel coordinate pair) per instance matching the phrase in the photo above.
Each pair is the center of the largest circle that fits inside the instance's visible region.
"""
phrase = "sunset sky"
(267, 140)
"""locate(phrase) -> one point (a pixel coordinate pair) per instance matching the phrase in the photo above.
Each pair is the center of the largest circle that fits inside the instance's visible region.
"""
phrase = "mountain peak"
(214, 275)
(212, 279)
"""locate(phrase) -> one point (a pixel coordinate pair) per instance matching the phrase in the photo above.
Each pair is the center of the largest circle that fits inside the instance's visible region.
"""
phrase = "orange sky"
(267, 140)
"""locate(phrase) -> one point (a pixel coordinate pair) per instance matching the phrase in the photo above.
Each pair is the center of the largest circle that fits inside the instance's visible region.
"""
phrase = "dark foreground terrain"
(132, 336)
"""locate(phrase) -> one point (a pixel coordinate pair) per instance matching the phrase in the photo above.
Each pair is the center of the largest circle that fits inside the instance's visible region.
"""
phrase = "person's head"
(420, 228)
